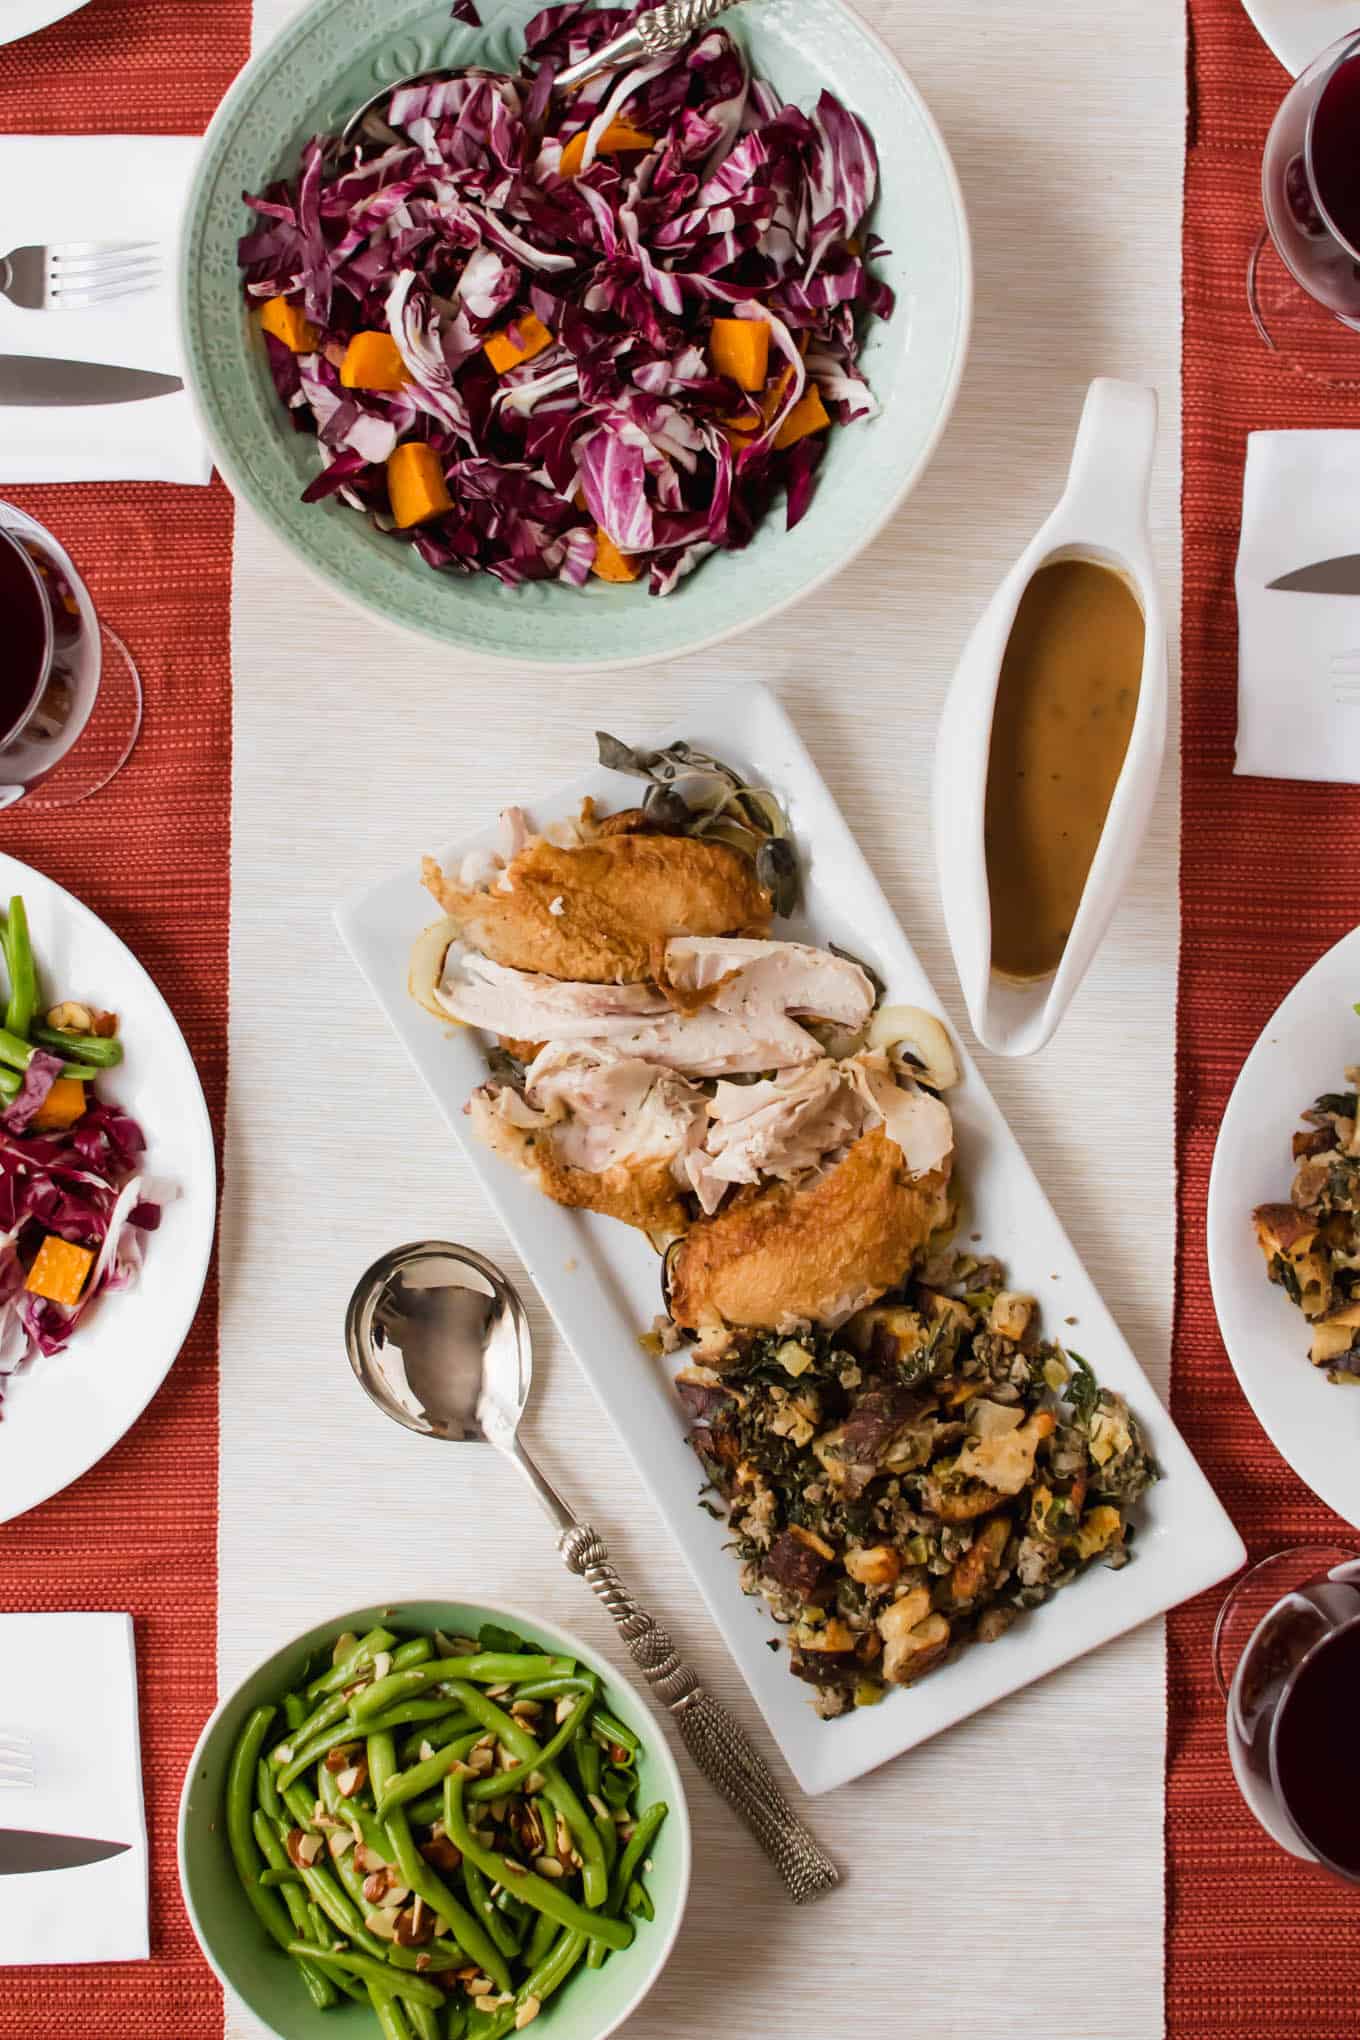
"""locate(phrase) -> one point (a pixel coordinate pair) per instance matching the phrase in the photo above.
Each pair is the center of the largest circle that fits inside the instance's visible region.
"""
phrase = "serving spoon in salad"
(653, 34)
(439, 1339)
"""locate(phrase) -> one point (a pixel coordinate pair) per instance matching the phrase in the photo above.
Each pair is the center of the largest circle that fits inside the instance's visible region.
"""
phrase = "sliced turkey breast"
(745, 1025)
(598, 1131)
(784, 1127)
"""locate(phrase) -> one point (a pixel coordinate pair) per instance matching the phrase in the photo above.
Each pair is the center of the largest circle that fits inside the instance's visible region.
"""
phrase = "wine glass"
(1287, 1659)
(1303, 281)
(70, 694)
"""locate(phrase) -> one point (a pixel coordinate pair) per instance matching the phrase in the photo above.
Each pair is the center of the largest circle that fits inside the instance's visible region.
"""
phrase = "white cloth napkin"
(99, 188)
(68, 1686)
(1298, 685)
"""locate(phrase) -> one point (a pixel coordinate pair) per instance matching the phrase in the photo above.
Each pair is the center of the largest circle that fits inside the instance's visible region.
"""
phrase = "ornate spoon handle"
(652, 34)
(718, 1744)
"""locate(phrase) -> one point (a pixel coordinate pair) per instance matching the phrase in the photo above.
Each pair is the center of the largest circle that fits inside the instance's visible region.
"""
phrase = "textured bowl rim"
(495, 1610)
(626, 661)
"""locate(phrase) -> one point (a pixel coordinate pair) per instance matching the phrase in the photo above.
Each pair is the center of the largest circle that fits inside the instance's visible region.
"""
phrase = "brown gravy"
(1064, 710)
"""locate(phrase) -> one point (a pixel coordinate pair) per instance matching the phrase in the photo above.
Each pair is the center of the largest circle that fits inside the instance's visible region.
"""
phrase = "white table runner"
(1028, 1844)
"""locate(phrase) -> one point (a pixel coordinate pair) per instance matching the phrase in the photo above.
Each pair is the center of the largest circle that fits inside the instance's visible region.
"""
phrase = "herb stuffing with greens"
(916, 1479)
(548, 336)
(1312, 1244)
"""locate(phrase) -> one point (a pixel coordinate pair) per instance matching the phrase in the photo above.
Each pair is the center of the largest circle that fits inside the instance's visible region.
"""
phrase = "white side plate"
(1305, 1049)
(601, 1284)
(64, 1413)
(25, 17)
(1299, 30)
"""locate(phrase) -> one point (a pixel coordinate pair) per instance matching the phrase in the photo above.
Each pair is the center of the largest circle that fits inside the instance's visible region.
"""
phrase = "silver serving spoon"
(439, 1339)
(654, 33)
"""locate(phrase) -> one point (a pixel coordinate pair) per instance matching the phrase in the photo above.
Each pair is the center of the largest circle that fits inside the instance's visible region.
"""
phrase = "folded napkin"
(99, 188)
(1298, 685)
(68, 1686)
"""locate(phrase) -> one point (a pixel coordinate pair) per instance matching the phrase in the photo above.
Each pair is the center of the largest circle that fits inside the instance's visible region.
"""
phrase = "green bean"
(332, 1709)
(19, 1054)
(551, 1973)
(526, 1884)
(458, 2024)
(424, 1776)
(499, 1928)
(609, 1838)
(639, 1901)
(425, 1812)
(11, 1083)
(553, 1689)
(540, 1940)
(420, 1878)
(436, 1728)
(319, 1986)
(308, 1753)
(500, 1784)
(266, 1794)
(424, 2022)
(589, 1764)
(636, 1848)
(617, 1788)
(23, 972)
(607, 1728)
(414, 1989)
(104, 1051)
(484, 1668)
(519, 1742)
(389, 2013)
(267, 1907)
(294, 1713)
(342, 1674)
(272, 1879)
(514, 1908)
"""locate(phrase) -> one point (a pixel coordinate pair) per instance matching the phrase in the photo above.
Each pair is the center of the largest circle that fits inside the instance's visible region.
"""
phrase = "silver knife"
(1340, 576)
(21, 1852)
(29, 379)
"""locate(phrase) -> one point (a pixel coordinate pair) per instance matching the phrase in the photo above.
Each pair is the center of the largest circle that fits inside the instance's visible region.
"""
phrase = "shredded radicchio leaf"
(601, 413)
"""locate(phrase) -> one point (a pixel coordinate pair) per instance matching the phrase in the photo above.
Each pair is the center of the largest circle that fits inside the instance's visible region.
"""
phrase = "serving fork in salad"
(653, 34)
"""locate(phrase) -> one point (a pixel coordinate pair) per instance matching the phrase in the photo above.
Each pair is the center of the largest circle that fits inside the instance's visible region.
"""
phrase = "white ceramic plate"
(19, 18)
(63, 1414)
(1299, 30)
(601, 1283)
(1305, 1050)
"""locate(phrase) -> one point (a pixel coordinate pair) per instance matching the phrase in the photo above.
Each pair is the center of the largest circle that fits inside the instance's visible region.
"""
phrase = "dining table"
(1075, 1859)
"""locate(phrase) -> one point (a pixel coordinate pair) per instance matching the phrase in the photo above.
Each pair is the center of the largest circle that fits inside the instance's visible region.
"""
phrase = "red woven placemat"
(150, 854)
(1257, 1944)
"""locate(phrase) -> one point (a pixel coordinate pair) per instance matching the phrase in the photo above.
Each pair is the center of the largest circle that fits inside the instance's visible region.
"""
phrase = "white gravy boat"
(1103, 516)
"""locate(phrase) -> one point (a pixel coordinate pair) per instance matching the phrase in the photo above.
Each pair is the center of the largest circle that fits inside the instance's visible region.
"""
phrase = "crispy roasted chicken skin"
(641, 1192)
(780, 1253)
(602, 912)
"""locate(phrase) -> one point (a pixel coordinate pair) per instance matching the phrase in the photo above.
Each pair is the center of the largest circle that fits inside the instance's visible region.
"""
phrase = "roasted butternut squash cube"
(609, 563)
(373, 362)
(618, 139)
(63, 1105)
(505, 351)
(416, 485)
(809, 414)
(60, 1271)
(289, 323)
(741, 348)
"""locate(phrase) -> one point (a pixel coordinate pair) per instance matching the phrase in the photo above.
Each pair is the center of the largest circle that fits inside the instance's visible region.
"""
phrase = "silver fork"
(16, 1761)
(73, 274)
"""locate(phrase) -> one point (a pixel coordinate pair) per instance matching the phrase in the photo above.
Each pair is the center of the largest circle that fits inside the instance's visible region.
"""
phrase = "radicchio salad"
(547, 336)
(75, 1206)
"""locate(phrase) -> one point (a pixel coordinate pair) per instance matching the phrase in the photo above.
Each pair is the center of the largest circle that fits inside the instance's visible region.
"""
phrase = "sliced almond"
(547, 1866)
(527, 2013)
(340, 1758)
(344, 1646)
(382, 1665)
(353, 1779)
(340, 1842)
(383, 1924)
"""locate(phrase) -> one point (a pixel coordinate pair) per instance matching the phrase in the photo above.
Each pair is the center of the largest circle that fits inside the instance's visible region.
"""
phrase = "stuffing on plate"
(912, 1481)
(1312, 1244)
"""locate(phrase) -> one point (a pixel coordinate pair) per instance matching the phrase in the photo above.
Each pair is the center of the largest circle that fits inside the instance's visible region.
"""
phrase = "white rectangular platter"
(601, 1281)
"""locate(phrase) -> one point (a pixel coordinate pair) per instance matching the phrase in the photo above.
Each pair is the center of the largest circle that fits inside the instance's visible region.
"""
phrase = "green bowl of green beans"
(435, 1821)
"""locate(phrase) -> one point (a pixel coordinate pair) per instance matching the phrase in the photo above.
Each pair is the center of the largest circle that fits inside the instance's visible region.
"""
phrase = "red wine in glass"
(1293, 1623)
(65, 680)
(1311, 191)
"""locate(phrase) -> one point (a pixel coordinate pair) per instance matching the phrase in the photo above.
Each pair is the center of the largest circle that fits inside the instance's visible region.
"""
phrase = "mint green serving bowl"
(334, 56)
(592, 2003)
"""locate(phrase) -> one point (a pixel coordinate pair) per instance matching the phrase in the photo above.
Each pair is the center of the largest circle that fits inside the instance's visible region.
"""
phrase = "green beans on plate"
(440, 1827)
